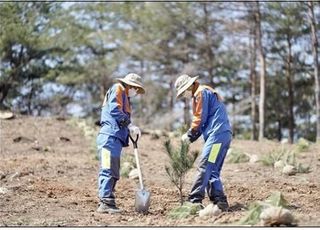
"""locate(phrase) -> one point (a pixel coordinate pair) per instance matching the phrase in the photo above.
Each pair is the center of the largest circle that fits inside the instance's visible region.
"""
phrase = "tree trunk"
(171, 95)
(290, 91)
(180, 190)
(262, 73)
(253, 80)
(209, 52)
(102, 91)
(30, 97)
(187, 117)
(315, 64)
(233, 114)
(279, 134)
(4, 90)
(171, 103)
(103, 87)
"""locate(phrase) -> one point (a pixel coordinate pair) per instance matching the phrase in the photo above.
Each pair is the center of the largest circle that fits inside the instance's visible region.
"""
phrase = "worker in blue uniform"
(113, 135)
(210, 120)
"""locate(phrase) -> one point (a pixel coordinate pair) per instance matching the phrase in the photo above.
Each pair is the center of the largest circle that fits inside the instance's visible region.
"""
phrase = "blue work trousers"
(209, 168)
(109, 151)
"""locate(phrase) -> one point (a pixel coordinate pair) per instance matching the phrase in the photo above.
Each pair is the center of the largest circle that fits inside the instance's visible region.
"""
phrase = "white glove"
(185, 138)
(134, 131)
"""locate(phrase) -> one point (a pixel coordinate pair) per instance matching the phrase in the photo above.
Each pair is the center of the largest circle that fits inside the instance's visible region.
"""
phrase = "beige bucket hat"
(133, 80)
(183, 82)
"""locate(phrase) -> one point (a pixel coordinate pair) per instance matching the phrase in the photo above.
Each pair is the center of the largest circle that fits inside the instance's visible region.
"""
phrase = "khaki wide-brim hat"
(133, 80)
(183, 83)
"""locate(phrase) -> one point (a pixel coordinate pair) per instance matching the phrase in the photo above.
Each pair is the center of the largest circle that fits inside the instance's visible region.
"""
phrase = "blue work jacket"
(115, 112)
(209, 113)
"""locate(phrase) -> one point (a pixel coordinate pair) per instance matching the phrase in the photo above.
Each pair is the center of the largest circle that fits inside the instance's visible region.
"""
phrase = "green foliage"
(303, 145)
(182, 129)
(236, 156)
(288, 157)
(300, 168)
(272, 157)
(253, 214)
(184, 211)
(81, 47)
(256, 208)
(245, 135)
(277, 199)
(28, 50)
(291, 160)
(127, 164)
(180, 163)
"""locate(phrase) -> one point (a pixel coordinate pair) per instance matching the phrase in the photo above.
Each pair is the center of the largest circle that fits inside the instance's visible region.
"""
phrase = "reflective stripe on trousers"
(209, 168)
(109, 151)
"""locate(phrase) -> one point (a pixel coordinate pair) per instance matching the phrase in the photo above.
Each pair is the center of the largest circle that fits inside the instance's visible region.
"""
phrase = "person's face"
(188, 92)
(133, 91)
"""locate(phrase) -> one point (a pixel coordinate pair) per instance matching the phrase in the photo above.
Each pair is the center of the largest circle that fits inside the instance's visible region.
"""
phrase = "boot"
(221, 201)
(223, 205)
(107, 208)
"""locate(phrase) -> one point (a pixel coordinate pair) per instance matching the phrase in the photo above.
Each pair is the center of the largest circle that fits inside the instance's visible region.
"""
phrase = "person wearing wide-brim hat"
(114, 135)
(210, 120)
(134, 81)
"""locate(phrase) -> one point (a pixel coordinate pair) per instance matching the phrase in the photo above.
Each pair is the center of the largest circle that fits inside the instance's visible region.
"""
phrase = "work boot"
(107, 208)
(223, 205)
(221, 202)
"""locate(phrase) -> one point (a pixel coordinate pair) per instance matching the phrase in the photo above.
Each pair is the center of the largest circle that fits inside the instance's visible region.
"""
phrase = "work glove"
(190, 136)
(134, 131)
(123, 123)
(185, 139)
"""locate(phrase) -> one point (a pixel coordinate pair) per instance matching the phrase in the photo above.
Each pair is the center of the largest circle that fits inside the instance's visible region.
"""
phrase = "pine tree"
(180, 163)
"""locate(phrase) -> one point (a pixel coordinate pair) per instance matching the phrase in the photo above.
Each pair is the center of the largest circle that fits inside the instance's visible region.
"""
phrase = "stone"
(289, 170)
(3, 190)
(5, 115)
(254, 159)
(276, 216)
(209, 211)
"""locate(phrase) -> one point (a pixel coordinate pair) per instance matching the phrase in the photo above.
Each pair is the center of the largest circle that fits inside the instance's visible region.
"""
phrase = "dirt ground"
(48, 177)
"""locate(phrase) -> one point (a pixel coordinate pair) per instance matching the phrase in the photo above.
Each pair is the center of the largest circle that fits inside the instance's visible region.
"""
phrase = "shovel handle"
(136, 155)
(134, 141)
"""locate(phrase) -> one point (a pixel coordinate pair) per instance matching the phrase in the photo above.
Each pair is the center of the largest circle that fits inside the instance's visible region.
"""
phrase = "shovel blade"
(142, 201)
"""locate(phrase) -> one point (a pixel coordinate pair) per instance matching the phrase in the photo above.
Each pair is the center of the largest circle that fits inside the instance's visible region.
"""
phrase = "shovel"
(142, 201)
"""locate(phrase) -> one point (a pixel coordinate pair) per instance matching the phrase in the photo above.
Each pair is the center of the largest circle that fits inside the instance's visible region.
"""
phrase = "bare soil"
(48, 177)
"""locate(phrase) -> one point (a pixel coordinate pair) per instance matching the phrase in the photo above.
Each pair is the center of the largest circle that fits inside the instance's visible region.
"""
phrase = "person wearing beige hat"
(114, 133)
(210, 120)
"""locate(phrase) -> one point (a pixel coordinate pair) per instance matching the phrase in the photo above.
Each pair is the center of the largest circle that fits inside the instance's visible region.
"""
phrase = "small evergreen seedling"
(180, 163)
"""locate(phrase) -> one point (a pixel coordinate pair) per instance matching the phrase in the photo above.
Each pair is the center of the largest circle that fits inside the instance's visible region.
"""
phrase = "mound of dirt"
(48, 177)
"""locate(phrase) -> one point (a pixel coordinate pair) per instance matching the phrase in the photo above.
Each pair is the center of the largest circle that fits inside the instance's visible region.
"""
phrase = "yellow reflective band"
(214, 152)
(105, 158)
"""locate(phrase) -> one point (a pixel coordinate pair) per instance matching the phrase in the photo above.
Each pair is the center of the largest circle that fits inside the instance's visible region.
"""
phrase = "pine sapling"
(180, 163)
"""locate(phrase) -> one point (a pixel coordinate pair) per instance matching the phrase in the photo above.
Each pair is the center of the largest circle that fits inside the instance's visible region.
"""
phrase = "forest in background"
(59, 58)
